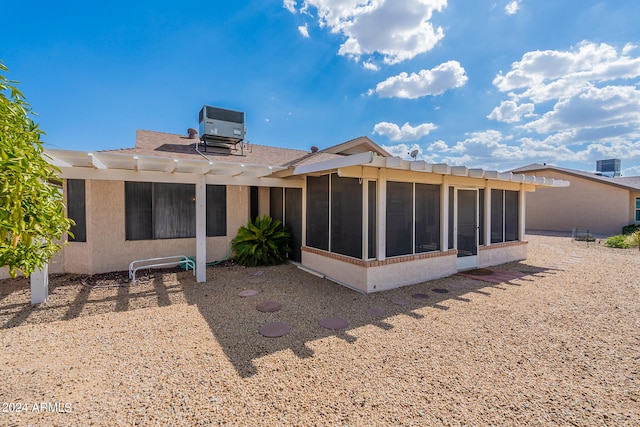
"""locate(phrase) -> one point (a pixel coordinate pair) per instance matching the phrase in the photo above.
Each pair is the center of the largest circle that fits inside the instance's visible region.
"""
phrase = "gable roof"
(627, 183)
(362, 144)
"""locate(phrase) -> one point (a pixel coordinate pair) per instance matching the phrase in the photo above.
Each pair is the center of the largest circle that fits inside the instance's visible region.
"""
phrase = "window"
(276, 203)
(216, 210)
(413, 218)
(399, 218)
(427, 222)
(505, 225)
(334, 214)
(346, 216)
(318, 212)
(168, 210)
(637, 209)
(372, 221)
(76, 209)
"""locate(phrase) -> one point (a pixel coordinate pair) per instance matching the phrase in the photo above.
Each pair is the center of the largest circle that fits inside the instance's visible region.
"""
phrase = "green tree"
(32, 214)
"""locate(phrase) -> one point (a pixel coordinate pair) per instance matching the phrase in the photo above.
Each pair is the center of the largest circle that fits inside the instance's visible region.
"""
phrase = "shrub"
(262, 242)
(630, 229)
(619, 241)
(633, 240)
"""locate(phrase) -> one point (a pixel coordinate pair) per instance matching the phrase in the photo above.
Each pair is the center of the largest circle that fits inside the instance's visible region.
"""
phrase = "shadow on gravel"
(235, 321)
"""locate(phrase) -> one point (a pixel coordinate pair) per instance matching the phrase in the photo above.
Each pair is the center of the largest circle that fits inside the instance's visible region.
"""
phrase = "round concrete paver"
(248, 293)
(274, 329)
(420, 296)
(375, 312)
(399, 301)
(257, 279)
(333, 323)
(256, 273)
(268, 306)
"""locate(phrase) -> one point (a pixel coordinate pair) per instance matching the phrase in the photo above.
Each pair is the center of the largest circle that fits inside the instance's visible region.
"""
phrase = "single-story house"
(594, 203)
(358, 215)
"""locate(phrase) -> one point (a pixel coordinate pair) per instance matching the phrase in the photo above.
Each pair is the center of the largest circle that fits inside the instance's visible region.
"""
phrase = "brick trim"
(376, 263)
(503, 245)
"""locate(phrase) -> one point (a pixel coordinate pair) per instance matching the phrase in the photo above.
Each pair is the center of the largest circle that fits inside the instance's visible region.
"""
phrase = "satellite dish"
(414, 154)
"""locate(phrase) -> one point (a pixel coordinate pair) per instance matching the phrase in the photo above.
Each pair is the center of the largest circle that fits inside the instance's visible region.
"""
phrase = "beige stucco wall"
(106, 248)
(388, 275)
(502, 253)
(585, 204)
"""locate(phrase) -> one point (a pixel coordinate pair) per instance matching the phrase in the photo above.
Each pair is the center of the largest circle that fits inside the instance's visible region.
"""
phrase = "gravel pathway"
(558, 346)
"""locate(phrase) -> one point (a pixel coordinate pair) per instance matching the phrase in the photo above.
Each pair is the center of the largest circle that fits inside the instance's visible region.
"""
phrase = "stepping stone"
(257, 280)
(268, 306)
(274, 329)
(399, 301)
(375, 312)
(440, 291)
(420, 296)
(256, 273)
(333, 323)
(248, 293)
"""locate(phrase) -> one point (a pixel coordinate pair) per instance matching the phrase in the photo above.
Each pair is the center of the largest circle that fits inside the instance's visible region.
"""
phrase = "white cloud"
(290, 5)
(511, 112)
(512, 7)
(404, 133)
(397, 30)
(587, 95)
(370, 66)
(427, 82)
(304, 30)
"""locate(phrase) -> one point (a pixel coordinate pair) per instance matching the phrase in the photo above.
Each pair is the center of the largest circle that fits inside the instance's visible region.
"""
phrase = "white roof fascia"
(136, 162)
(359, 159)
(421, 166)
(459, 171)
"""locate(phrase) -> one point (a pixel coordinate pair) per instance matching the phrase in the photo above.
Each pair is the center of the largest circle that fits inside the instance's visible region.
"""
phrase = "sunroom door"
(467, 228)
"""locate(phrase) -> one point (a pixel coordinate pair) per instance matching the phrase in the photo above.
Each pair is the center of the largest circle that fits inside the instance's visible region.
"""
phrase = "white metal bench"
(168, 261)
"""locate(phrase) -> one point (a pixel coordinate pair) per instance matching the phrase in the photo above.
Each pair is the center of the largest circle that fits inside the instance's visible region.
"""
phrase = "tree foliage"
(32, 214)
(262, 242)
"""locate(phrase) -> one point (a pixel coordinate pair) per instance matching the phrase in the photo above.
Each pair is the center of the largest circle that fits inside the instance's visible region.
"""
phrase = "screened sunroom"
(374, 223)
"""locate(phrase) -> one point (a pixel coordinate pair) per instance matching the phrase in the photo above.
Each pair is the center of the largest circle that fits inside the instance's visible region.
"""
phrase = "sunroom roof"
(370, 159)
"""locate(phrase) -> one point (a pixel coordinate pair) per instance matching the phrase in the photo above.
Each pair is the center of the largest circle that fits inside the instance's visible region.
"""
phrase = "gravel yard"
(559, 346)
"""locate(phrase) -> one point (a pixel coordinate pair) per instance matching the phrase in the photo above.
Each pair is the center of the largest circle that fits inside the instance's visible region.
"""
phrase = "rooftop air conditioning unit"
(609, 168)
(220, 127)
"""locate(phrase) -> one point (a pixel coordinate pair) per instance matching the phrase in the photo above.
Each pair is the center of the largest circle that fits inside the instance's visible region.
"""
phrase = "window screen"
(138, 210)
(276, 203)
(451, 216)
(399, 218)
(497, 215)
(372, 221)
(216, 210)
(159, 210)
(174, 210)
(318, 212)
(346, 216)
(76, 209)
(427, 223)
(511, 225)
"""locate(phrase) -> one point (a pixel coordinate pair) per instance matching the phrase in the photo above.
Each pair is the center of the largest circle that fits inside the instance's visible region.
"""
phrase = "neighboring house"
(593, 203)
(358, 216)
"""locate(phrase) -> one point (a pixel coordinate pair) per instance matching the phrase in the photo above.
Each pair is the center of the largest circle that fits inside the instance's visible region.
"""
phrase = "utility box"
(219, 124)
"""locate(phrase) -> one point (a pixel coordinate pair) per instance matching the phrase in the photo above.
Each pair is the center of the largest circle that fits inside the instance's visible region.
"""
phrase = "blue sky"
(492, 84)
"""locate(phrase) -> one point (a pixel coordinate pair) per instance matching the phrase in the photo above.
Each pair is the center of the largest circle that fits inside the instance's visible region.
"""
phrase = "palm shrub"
(264, 241)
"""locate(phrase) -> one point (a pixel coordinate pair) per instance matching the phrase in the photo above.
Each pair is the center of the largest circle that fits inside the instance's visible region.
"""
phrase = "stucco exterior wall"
(106, 248)
(502, 253)
(585, 204)
(375, 276)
